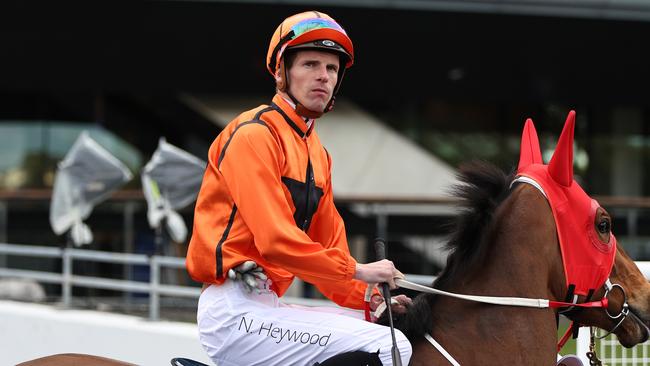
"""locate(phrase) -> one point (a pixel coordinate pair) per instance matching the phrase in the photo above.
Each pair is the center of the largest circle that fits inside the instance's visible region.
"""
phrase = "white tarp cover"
(370, 159)
(171, 180)
(85, 177)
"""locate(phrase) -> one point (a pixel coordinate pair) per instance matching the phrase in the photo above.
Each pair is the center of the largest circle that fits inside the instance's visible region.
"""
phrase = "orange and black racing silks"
(266, 196)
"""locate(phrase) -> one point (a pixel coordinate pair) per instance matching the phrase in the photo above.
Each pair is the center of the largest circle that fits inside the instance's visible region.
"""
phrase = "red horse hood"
(587, 260)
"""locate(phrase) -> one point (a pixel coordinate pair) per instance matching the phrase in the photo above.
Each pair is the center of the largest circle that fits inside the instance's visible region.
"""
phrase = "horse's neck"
(519, 263)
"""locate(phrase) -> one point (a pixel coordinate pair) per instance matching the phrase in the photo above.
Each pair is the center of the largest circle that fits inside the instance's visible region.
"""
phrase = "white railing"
(611, 353)
(154, 288)
(67, 279)
(608, 349)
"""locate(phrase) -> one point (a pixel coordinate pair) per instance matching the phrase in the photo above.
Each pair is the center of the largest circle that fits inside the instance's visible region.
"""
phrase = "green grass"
(570, 346)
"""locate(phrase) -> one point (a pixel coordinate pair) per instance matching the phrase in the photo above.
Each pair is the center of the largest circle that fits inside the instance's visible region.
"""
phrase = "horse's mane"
(481, 189)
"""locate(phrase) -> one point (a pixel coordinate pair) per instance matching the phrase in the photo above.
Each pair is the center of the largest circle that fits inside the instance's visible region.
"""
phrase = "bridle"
(516, 301)
(625, 308)
(623, 313)
(526, 302)
(620, 317)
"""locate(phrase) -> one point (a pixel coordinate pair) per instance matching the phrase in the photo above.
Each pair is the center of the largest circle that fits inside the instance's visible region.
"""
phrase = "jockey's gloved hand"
(399, 305)
(249, 273)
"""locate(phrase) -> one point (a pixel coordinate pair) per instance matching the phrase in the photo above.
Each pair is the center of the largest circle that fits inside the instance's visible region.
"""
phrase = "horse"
(506, 242)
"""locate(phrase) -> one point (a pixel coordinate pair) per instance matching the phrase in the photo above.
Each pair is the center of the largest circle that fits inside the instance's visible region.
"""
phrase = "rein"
(517, 301)
(498, 300)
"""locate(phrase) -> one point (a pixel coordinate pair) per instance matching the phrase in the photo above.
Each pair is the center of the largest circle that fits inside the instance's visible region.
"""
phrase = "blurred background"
(435, 84)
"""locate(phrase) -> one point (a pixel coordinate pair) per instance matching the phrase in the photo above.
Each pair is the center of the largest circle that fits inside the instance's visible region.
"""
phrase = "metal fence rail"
(67, 279)
(154, 288)
(612, 353)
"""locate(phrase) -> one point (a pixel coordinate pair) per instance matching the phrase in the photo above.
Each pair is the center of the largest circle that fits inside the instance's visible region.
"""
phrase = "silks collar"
(286, 109)
(587, 260)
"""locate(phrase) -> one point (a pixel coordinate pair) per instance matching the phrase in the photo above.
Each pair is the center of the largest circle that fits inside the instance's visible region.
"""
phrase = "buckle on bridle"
(625, 308)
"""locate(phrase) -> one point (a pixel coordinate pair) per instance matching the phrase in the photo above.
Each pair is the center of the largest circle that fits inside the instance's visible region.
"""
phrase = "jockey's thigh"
(241, 328)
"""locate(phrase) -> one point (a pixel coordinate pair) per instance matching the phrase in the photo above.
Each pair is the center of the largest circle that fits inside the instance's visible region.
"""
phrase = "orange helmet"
(311, 29)
(308, 30)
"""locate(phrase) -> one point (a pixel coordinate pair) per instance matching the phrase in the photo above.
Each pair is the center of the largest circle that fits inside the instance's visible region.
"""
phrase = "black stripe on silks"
(256, 120)
(311, 128)
(261, 112)
(224, 236)
(288, 120)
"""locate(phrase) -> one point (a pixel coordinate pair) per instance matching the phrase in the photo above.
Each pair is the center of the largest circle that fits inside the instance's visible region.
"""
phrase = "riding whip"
(380, 251)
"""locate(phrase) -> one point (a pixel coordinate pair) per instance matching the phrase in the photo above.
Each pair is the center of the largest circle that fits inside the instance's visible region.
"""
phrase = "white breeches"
(238, 328)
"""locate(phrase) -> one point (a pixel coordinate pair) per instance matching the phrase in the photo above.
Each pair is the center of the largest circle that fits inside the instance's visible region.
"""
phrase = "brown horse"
(506, 244)
(74, 359)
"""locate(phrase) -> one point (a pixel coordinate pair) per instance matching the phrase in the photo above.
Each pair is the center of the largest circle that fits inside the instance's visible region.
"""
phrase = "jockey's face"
(312, 78)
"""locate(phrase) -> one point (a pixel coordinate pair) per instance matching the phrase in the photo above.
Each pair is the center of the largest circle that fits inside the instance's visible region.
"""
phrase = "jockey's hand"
(378, 272)
(399, 304)
(403, 302)
(248, 273)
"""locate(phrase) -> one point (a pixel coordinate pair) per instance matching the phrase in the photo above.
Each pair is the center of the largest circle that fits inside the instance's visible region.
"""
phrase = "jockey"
(265, 214)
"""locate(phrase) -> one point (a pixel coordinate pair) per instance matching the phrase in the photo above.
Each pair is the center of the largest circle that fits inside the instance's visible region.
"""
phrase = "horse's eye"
(604, 226)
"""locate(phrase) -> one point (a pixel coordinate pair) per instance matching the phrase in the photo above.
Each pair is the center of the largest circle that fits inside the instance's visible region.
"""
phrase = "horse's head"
(589, 252)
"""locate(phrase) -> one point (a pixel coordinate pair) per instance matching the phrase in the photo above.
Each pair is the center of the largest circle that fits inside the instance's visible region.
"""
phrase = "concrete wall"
(29, 331)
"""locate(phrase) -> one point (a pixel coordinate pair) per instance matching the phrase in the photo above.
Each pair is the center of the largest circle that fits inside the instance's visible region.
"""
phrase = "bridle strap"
(565, 337)
(518, 301)
(496, 300)
(570, 296)
(499, 300)
(625, 310)
(441, 349)
(531, 181)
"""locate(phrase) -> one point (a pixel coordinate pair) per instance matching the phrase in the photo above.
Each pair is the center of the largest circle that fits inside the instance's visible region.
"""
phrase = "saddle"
(186, 362)
(570, 360)
(347, 358)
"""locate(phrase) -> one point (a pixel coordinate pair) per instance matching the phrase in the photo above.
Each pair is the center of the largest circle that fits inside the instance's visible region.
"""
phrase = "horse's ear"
(561, 166)
(529, 152)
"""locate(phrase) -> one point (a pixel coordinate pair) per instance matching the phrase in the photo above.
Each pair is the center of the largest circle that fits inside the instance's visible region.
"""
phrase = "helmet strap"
(301, 110)
(330, 105)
